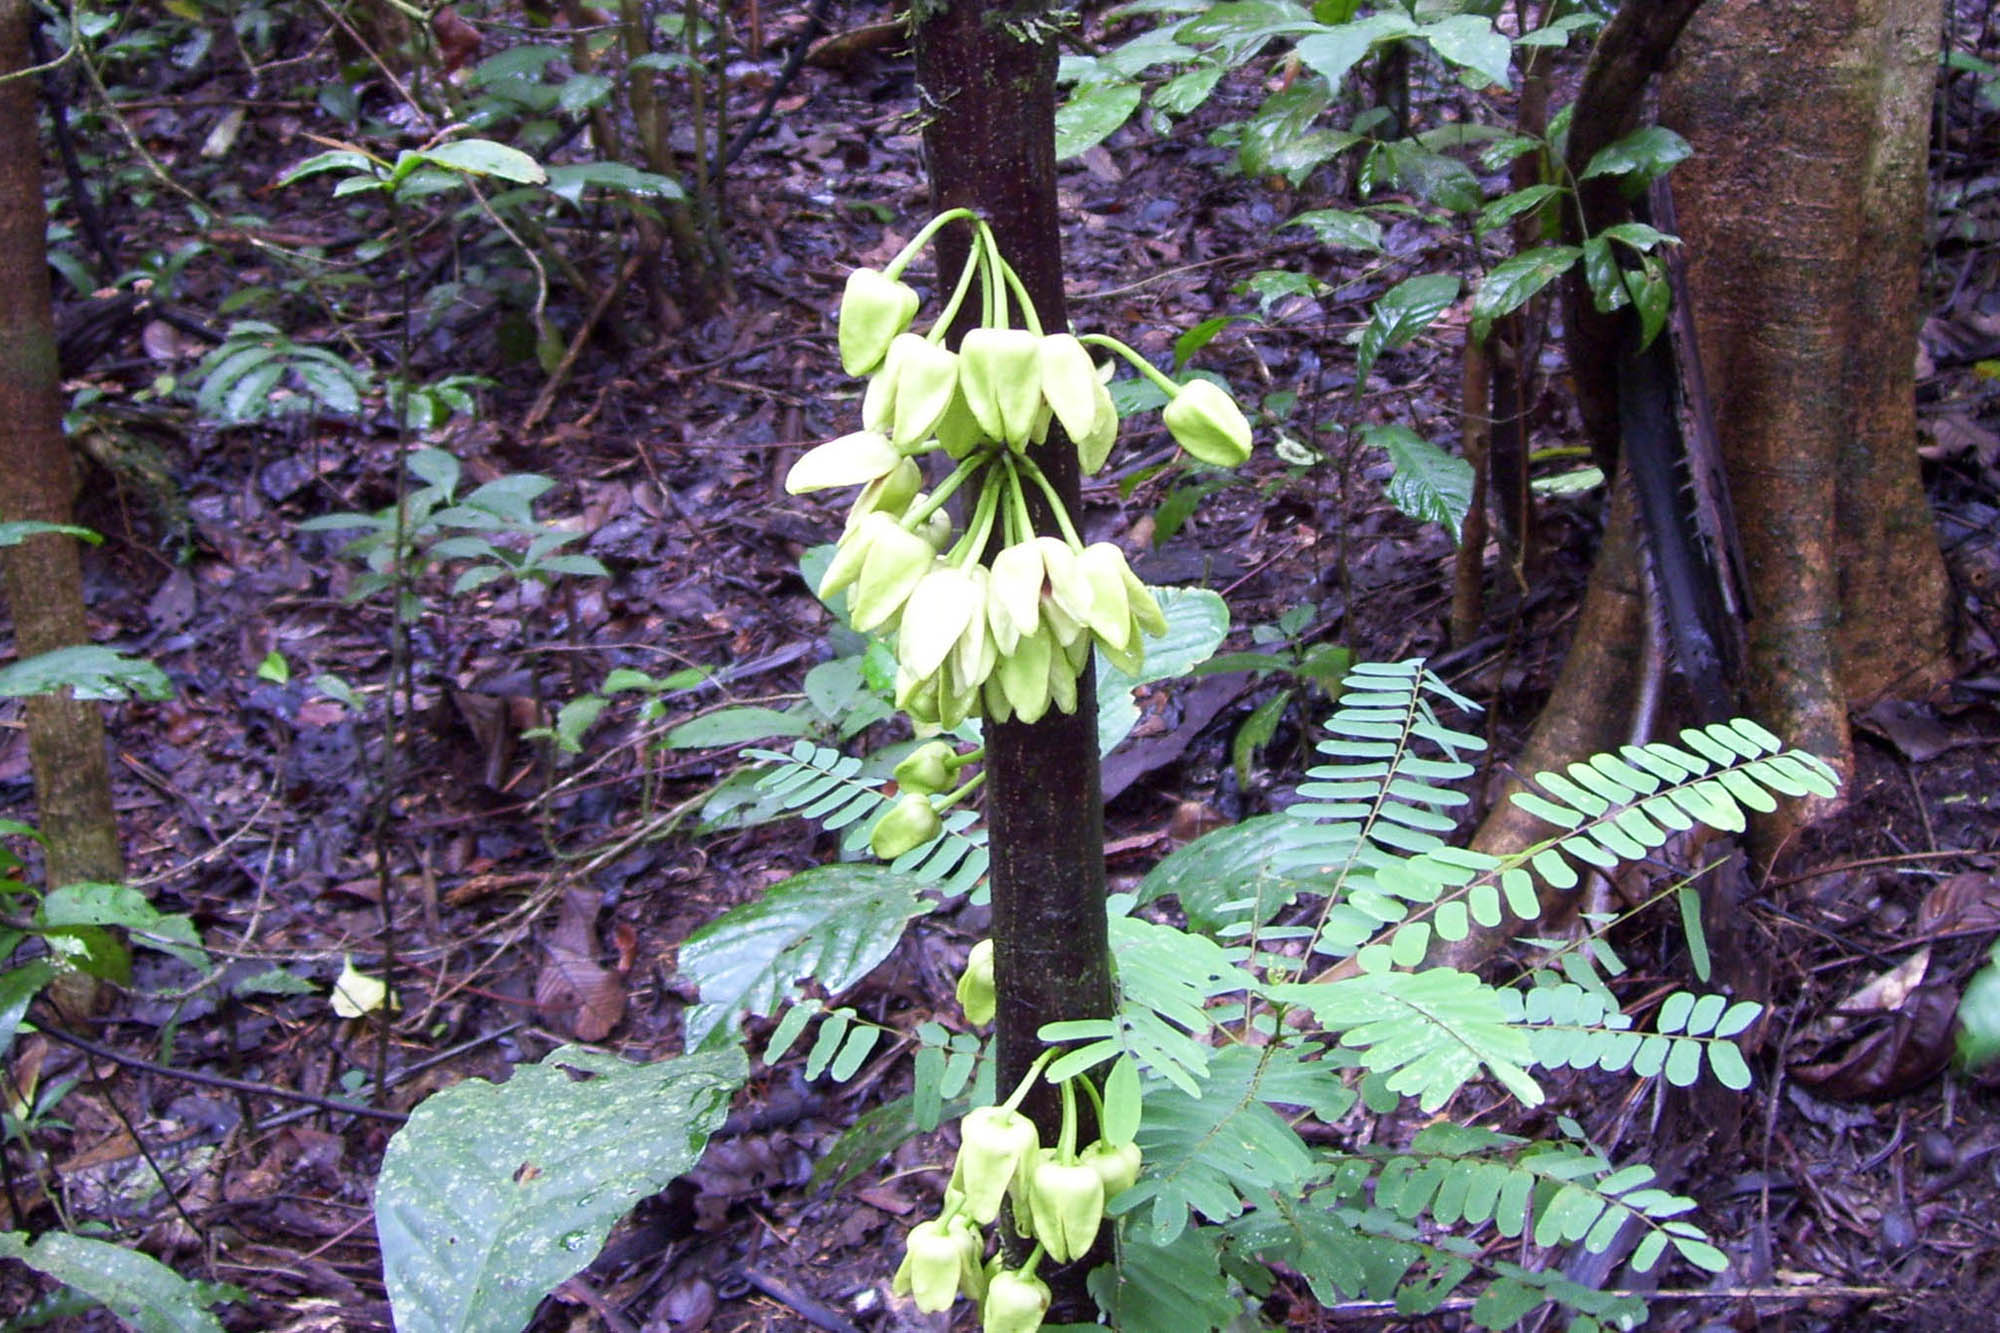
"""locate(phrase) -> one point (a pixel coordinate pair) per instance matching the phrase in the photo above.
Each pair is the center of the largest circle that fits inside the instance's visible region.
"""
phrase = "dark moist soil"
(1854, 1187)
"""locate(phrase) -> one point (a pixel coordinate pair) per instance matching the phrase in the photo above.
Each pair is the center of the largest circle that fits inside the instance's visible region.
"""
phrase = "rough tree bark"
(43, 579)
(1802, 211)
(1803, 260)
(987, 78)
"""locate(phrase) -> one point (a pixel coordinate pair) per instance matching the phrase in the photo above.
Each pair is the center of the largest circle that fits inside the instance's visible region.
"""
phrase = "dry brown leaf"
(574, 991)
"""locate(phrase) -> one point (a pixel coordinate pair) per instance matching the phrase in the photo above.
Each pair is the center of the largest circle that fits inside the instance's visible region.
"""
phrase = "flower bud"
(926, 380)
(874, 308)
(890, 493)
(1013, 604)
(1015, 1303)
(896, 562)
(1069, 382)
(1068, 586)
(1069, 1204)
(1118, 1167)
(1206, 421)
(958, 430)
(937, 612)
(1001, 376)
(1109, 614)
(850, 460)
(976, 994)
(932, 1268)
(1024, 675)
(928, 769)
(910, 823)
(972, 1256)
(1093, 445)
(992, 1143)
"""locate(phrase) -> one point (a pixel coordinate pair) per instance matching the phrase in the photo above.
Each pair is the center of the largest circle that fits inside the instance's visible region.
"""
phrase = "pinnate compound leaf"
(141, 1291)
(832, 923)
(1179, 1285)
(491, 1195)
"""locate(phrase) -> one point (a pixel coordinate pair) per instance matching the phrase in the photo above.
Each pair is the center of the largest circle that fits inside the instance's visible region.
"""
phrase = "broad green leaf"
(18, 988)
(831, 924)
(1514, 282)
(736, 726)
(1338, 227)
(1227, 875)
(483, 157)
(1091, 115)
(1605, 277)
(1429, 484)
(1404, 311)
(1645, 153)
(1510, 206)
(1470, 42)
(1978, 1016)
(580, 92)
(13, 534)
(141, 1291)
(1332, 52)
(1197, 621)
(1188, 89)
(491, 1196)
(89, 670)
(569, 180)
(88, 904)
(335, 160)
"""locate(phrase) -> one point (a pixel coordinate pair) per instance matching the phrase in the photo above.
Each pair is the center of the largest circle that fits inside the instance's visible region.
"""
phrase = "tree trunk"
(990, 137)
(1802, 262)
(43, 579)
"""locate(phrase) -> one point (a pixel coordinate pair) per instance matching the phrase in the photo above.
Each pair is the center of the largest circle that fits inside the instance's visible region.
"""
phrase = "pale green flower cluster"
(1007, 639)
(1056, 1197)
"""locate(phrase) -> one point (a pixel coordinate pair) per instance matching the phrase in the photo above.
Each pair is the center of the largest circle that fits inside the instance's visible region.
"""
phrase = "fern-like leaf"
(1215, 1152)
(833, 789)
(1430, 1031)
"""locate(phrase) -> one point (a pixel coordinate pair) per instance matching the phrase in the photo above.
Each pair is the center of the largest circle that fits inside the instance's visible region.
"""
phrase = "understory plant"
(1247, 1106)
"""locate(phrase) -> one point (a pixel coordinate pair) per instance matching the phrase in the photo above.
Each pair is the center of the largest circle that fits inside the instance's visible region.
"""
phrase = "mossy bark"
(43, 579)
(987, 75)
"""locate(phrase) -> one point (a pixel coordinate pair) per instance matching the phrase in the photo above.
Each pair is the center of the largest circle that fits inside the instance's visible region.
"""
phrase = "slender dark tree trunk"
(44, 583)
(989, 96)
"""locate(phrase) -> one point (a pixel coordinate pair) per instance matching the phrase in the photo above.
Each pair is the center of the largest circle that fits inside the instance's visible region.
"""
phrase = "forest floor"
(1856, 1186)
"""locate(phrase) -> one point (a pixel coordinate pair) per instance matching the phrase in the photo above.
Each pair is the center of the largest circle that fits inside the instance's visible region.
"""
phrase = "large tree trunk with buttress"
(989, 97)
(43, 580)
(1802, 210)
